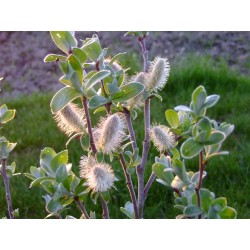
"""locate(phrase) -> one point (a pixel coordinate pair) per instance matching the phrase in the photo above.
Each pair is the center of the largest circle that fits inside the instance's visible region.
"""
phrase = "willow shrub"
(102, 86)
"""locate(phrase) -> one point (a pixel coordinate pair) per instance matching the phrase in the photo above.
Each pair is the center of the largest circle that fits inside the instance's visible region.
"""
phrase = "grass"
(229, 176)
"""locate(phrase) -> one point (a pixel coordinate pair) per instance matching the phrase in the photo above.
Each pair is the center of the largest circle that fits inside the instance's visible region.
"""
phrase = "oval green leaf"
(64, 40)
(96, 78)
(128, 91)
(190, 148)
(54, 57)
(192, 210)
(172, 118)
(97, 101)
(63, 97)
(215, 137)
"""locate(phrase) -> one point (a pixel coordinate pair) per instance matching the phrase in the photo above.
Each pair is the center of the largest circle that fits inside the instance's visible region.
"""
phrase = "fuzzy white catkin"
(99, 176)
(158, 74)
(162, 137)
(109, 134)
(70, 119)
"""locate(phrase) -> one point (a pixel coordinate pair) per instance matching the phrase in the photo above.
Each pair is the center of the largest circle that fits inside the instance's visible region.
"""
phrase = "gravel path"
(22, 53)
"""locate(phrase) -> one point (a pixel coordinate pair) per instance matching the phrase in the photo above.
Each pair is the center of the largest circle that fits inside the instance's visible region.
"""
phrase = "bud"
(99, 176)
(162, 137)
(70, 119)
(137, 101)
(158, 74)
(109, 134)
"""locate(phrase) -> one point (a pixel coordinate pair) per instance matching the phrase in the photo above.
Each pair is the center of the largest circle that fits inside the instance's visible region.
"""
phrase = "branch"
(148, 185)
(141, 167)
(105, 210)
(146, 143)
(130, 127)
(129, 185)
(7, 188)
(197, 189)
(86, 110)
(81, 206)
(141, 39)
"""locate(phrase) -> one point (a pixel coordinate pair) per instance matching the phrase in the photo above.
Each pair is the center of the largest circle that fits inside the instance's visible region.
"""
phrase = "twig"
(86, 110)
(141, 39)
(81, 206)
(148, 185)
(146, 143)
(197, 189)
(141, 167)
(105, 210)
(130, 128)
(129, 185)
(7, 188)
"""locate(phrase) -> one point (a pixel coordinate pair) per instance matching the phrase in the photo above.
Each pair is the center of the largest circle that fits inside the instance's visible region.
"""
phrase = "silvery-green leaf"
(63, 97)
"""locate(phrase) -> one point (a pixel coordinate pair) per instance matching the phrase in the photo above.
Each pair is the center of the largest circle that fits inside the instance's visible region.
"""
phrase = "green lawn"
(229, 176)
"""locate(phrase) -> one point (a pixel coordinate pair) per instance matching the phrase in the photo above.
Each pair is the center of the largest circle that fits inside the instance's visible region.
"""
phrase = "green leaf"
(36, 173)
(190, 148)
(128, 210)
(7, 116)
(195, 177)
(16, 213)
(37, 181)
(113, 88)
(198, 99)
(186, 122)
(172, 118)
(97, 101)
(96, 78)
(116, 57)
(80, 54)
(176, 154)
(180, 170)
(183, 108)
(92, 48)
(59, 160)
(76, 66)
(54, 206)
(101, 56)
(215, 137)
(47, 154)
(5, 148)
(64, 40)
(128, 91)
(159, 170)
(202, 130)
(64, 67)
(206, 199)
(213, 214)
(85, 141)
(192, 211)
(211, 100)
(228, 213)
(54, 57)
(30, 176)
(62, 98)
(3, 109)
(62, 176)
(48, 186)
(219, 203)
(226, 128)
